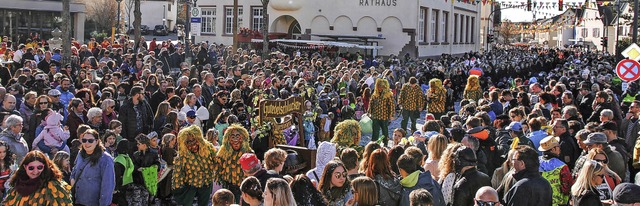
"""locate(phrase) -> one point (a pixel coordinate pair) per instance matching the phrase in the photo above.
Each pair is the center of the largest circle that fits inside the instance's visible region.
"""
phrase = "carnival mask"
(192, 145)
(236, 140)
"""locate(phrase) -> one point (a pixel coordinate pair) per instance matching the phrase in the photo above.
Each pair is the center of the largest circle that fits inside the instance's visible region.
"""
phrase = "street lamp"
(118, 24)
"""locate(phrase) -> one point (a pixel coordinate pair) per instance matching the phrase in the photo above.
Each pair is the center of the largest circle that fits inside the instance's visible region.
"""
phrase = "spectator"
(251, 166)
(584, 191)
(334, 185)
(37, 182)
(222, 197)
(469, 179)
(616, 162)
(349, 157)
(624, 194)
(136, 116)
(365, 192)
(93, 176)
(326, 152)
(305, 193)
(278, 193)
(12, 135)
(251, 191)
(486, 196)
(413, 179)
(555, 171)
(420, 197)
(388, 185)
(77, 116)
(531, 188)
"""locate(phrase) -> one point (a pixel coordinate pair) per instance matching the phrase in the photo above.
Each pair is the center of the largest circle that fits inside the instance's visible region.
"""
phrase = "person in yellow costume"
(38, 182)
(347, 135)
(235, 142)
(193, 168)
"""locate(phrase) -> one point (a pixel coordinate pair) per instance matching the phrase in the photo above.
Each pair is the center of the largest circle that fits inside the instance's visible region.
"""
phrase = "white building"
(156, 12)
(419, 28)
(22, 17)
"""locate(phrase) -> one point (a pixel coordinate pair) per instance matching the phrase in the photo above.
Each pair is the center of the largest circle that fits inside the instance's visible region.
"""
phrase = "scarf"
(28, 187)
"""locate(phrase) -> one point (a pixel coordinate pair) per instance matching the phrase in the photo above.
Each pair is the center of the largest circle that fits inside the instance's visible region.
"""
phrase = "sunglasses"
(604, 161)
(485, 203)
(339, 175)
(39, 167)
(88, 140)
(601, 176)
(43, 103)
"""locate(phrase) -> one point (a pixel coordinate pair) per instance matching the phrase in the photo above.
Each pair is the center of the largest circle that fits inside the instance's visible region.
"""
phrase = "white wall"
(154, 11)
(340, 17)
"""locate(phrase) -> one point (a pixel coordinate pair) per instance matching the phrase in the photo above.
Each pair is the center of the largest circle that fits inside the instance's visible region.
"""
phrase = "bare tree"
(103, 13)
(265, 30)
(66, 32)
(137, 22)
(128, 6)
(507, 31)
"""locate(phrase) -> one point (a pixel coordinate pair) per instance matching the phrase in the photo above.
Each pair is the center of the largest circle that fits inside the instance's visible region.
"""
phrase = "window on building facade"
(467, 30)
(228, 19)
(444, 26)
(455, 28)
(434, 25)
(421, 25)
(473, 29)
(257, 21)
(585, 32)
(461, 32)
(596, 32)
(169, 7)
(208, 20)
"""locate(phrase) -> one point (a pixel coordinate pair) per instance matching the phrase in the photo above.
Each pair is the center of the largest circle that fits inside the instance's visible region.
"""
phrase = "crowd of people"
(127, 124)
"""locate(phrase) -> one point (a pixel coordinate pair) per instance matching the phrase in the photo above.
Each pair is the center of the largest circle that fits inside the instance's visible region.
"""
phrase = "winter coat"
(421, 180)
(52, 134)
(467, 185)
(531, 189)
(17, 144)
(389, 190)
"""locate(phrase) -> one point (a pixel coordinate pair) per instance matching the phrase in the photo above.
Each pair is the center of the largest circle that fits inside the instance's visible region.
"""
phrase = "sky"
(520, 14)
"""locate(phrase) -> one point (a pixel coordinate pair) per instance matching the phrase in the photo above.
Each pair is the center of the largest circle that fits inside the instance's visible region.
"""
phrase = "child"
(169, 152)
(109, 141)
(116, 127)
(52, 138)
(62, 160)
(212, 136)
(153, 142)
(223, 197)
(6, 161)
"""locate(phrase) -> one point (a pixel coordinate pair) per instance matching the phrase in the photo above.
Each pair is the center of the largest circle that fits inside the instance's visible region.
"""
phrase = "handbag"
(73, 188)
(366, 124)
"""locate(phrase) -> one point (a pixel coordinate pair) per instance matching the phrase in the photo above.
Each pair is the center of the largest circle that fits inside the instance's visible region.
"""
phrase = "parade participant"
(193, 167)
(473, 91)
(436, 98)
(381, 109)
(411, 101)
(347, 134)
(38, 181)
(235, 143)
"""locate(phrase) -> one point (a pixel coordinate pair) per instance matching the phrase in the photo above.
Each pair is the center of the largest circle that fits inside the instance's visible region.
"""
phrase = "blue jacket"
(424, 181)
(65, 97)
(96, 185)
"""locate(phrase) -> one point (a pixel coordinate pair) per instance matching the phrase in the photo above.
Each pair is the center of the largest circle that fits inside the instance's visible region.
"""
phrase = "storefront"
(20, 17)
(420, 28)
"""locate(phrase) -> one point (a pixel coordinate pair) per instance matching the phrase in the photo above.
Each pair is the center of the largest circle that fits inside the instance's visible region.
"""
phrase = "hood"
(326, 152)
(53, 120)
(549, 164)
(9, 134)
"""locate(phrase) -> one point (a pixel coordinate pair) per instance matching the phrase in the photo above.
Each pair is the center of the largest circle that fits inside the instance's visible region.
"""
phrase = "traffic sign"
(195, 12)
(196, 26)
(632, 52)
(628, 70)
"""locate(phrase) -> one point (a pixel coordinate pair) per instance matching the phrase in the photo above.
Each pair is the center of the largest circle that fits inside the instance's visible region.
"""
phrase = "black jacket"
(589, 198)
(130, 121)
(530, 190)
(466, 186)
(263, 175)
(569, 149)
